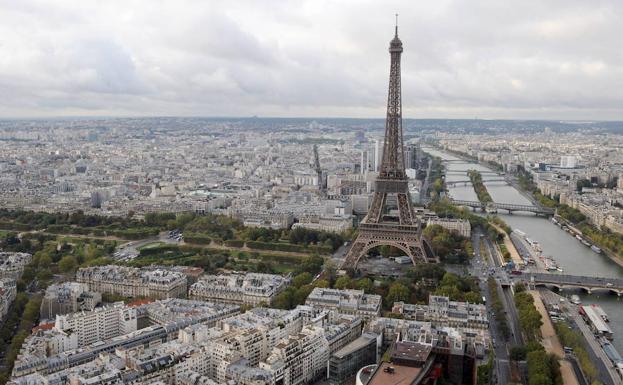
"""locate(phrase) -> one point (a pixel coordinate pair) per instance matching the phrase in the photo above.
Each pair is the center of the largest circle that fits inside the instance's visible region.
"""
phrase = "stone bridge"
(588, 284)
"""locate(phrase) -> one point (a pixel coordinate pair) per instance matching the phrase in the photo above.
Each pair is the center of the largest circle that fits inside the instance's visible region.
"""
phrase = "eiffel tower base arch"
(409, 241)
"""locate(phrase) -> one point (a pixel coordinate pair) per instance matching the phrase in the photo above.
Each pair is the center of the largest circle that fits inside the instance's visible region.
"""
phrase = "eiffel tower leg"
(417, 253)
(356, 251)
(376, 209)
(404, 209)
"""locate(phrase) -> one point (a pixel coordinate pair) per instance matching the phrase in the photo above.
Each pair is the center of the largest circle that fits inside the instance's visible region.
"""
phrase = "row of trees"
(543, 368)
(575, 340)
(41, 220)
(24, 312)
(479, 186)
(530, 320)
(604, 237)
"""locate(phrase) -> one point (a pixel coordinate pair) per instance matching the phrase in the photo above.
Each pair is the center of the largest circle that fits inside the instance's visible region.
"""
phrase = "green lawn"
(151, 245)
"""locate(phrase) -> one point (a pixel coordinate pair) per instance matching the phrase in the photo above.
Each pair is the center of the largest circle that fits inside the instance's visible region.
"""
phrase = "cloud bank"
(462, 59)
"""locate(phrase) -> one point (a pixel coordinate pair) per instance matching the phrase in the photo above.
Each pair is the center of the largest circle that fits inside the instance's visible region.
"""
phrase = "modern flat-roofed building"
(249, 288)
(344, 363)
(409, 363)
(353, 302)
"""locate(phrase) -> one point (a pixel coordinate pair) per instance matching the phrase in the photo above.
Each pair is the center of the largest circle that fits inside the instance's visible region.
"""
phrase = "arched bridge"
(467, 181)
(504, 206)
(589, 284)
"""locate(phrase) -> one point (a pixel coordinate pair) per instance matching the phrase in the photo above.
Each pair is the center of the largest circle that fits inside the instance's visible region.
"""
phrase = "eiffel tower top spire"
(392, 166)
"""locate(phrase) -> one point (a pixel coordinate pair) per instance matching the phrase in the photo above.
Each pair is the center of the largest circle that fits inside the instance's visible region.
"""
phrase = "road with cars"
(482, 266)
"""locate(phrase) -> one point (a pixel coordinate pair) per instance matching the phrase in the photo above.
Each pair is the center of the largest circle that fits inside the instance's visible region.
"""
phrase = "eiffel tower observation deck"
(391, 220)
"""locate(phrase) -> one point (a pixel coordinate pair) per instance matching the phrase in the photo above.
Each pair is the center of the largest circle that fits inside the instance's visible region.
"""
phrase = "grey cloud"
(486, 58)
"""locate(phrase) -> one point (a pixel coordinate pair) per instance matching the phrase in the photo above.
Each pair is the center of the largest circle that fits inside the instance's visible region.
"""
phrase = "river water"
(569, 253)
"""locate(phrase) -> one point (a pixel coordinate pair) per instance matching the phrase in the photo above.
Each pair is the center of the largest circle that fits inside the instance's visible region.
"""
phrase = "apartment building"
(353, 302)
(99, 324)
(67, 297)
(238, 288)
(133, 282)
(440, 311)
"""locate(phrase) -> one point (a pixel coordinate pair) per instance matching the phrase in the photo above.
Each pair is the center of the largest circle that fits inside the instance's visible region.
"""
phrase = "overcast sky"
(462, 58)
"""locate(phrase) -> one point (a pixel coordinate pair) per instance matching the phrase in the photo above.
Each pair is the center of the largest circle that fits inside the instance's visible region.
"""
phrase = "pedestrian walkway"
(551, 343)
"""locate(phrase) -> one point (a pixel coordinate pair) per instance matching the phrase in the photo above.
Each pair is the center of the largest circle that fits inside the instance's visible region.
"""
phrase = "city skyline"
(523, 61)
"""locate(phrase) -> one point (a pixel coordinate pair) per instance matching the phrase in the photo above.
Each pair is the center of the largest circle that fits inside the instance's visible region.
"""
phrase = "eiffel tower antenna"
(391, 220)
(396, 25)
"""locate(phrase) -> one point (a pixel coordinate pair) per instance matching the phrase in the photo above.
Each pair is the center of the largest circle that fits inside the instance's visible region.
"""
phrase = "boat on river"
(575, 299)
(519, 232)
(550, 264)
(600, 312)
(596, 249)
(534, 244)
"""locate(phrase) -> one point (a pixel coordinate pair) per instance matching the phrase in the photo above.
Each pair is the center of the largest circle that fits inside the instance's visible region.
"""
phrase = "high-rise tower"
(391, 220)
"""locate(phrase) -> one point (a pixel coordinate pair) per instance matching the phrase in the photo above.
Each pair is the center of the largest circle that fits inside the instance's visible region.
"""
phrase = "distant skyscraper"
(411, 155)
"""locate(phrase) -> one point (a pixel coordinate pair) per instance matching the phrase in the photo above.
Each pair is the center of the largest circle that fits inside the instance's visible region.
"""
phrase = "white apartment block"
(99, 324)
(299, 359)
(352, 302)
(249, 289)
(460, 226)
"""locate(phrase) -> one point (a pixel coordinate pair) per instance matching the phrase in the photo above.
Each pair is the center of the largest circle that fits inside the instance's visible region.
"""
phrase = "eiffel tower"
(391, 220)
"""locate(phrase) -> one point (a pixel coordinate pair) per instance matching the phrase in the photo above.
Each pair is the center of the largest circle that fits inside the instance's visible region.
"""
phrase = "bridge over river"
(564, 281)
(467, 182)
(504, 206)
(465, 172)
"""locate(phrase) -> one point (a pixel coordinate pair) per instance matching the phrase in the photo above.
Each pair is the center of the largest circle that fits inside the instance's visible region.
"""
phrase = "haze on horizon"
(463, 59)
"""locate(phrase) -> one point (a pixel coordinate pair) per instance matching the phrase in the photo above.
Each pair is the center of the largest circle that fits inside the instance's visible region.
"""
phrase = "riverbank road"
(552, 344)
(606, 372)
(515, 257)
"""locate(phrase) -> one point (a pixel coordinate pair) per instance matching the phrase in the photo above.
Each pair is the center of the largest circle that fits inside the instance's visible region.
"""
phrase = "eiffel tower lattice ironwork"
(382, 226)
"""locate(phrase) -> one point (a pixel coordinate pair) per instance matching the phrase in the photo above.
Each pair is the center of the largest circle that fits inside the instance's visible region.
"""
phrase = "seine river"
(571, 255)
